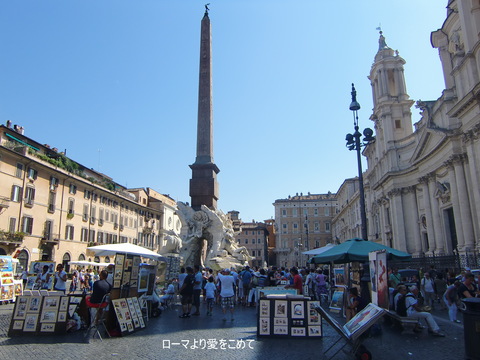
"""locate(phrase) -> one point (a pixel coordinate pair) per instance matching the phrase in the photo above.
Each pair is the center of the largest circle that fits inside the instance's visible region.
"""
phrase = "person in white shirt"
(60, 279)
(414, 311)
(428, 289)
(227, 293)
(168, 294)
(210, 295)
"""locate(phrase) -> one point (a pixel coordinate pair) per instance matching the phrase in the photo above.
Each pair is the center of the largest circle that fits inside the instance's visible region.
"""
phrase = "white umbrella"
(125, 248)
(87, 263)
(318, 250)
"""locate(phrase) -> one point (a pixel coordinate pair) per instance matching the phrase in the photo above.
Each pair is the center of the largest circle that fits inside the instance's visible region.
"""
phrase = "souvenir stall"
(288, 316)
(53, 312)
(131, 280)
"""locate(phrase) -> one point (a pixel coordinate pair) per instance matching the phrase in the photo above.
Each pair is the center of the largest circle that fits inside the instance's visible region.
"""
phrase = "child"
(210, 292)
(353, 302)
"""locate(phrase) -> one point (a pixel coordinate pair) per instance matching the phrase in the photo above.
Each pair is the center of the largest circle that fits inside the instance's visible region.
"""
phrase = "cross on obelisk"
(203, 184)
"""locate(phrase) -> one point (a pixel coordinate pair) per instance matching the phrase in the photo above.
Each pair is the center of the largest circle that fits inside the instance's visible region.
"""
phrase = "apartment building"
(53, 208)
(303, 222)
(254, 236)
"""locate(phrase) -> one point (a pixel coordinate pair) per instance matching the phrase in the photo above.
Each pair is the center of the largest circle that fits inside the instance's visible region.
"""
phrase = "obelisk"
(203, 184)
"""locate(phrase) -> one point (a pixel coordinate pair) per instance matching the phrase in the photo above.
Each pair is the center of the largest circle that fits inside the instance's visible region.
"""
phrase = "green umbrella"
(356, 250)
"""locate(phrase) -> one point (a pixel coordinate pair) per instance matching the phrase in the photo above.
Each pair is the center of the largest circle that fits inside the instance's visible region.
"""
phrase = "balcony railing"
(11, 238)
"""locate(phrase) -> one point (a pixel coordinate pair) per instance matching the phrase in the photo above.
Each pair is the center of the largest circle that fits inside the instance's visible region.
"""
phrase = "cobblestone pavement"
(151, 342)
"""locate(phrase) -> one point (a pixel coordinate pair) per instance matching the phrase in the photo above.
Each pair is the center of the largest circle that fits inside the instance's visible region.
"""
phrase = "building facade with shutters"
(53, 208)
(303, 222)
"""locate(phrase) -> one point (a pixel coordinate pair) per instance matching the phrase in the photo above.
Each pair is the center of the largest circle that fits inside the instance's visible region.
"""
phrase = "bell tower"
(203, 184)
(391, 103)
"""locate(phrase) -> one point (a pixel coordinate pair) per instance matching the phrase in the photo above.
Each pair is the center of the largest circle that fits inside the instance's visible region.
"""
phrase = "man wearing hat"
(227, 292)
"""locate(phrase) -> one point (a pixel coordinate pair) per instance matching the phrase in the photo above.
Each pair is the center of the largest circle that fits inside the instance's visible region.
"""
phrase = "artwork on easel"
(363, 320)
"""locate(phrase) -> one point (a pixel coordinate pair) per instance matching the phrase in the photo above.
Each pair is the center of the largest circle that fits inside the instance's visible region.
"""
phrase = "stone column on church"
(399, 236)
(428, 215)
(413, 224)
(473, 148)
(437, 223)
(464, 200)
(456, 206)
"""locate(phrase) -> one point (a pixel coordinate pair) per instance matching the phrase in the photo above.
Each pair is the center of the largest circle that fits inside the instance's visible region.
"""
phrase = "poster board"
(363, 320)
(7, 290)
(338, 299)
(288, 318)
(36, 267)
(274, 290)
(173, 268)
(339, 276)
(379, 278)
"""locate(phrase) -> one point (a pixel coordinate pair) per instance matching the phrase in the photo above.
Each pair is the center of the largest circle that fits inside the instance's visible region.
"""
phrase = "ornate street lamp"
(354, 143)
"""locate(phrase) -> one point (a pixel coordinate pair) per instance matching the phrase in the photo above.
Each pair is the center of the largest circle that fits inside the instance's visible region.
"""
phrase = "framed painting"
(298, 309)
(280, 308)
(31, 322)
(34, 304)
(17, 325)
(314, 331)
(298, 331)
(51, 302)
(63, 303)
(264, 326)
(264, 308)
(48, 316)
(280, 330)
(47, 327)
(62, 316)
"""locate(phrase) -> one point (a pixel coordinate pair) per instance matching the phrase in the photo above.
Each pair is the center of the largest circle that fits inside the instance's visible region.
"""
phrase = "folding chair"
(97, 317)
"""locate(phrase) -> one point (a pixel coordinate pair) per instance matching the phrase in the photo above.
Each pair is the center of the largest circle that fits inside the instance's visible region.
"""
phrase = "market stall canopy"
(319, 250)
(125, 248)
(88, 263)
(356, 250)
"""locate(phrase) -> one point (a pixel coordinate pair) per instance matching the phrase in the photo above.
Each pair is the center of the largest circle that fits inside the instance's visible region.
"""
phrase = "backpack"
(402, 305)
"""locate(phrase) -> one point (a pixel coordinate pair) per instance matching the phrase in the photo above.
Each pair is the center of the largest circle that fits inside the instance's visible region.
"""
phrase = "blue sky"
(115, 83)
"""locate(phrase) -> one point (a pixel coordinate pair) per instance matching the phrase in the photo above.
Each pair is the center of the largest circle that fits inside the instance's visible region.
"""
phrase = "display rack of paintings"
(173, 268)
(40, 314)
(288, 318)
(129, 314)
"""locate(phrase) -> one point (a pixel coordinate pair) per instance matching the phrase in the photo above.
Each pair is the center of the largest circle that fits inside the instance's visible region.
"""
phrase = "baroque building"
(303, 222)
(254, 236)
(421, 182)
(52, 208)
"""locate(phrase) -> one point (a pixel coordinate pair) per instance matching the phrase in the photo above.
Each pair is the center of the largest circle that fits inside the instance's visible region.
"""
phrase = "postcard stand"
(288, 318)
(351, 332)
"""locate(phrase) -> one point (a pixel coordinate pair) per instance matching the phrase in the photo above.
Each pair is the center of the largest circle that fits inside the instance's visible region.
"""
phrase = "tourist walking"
(227, 293)
(210, 295)
(186, 292)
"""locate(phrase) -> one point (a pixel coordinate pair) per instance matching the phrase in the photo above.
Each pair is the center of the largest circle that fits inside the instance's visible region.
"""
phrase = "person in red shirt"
(297, 282)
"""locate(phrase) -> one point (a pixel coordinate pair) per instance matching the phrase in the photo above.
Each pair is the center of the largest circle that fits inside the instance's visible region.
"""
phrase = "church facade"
(422, 180)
